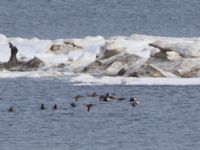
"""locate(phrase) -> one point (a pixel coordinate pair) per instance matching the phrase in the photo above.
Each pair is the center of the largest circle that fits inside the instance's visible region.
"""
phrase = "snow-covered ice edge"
(86, 79)
(91, 48)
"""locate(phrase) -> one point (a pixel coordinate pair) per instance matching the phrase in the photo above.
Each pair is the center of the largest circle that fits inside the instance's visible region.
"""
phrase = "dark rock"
(121, 72)
(134, 74)
(14, 65)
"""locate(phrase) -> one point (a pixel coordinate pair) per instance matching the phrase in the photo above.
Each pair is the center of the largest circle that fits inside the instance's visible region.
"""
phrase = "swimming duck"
(94, 94)
(55, 107)
(78, 97)
(112, 96)
(89, 106)
(11, 109)
(105, 98)
(73, 105)
(135, 103)
(42, 107)
(132, 99)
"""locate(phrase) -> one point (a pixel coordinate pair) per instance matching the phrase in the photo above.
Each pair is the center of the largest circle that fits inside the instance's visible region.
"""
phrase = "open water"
(52, 19)
(167, 117)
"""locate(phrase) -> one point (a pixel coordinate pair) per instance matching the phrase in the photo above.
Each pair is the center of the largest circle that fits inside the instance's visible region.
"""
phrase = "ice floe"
(119, 59)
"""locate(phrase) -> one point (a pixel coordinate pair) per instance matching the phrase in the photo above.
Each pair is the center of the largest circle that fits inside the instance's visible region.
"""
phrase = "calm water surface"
(79, 18)
(167, 118)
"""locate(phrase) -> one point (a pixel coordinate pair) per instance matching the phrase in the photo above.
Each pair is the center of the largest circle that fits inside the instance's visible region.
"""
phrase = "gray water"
(52, 19)
(166, 119)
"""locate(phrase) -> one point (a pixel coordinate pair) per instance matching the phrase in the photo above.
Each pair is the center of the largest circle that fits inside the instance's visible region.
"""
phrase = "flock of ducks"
(106, 98)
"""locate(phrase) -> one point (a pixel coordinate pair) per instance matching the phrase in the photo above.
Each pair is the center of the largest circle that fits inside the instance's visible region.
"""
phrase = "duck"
(73, 105)
(94, 94)
(78, 97)
(55, 107)
(135, 103)
(113, 96)
(89, 106)
(11, 109)
(105, 98)
(42, 107)
(132, 99)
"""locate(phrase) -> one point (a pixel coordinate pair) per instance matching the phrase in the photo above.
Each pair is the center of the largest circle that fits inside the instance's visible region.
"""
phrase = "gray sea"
(52, 19)
(167, 117)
